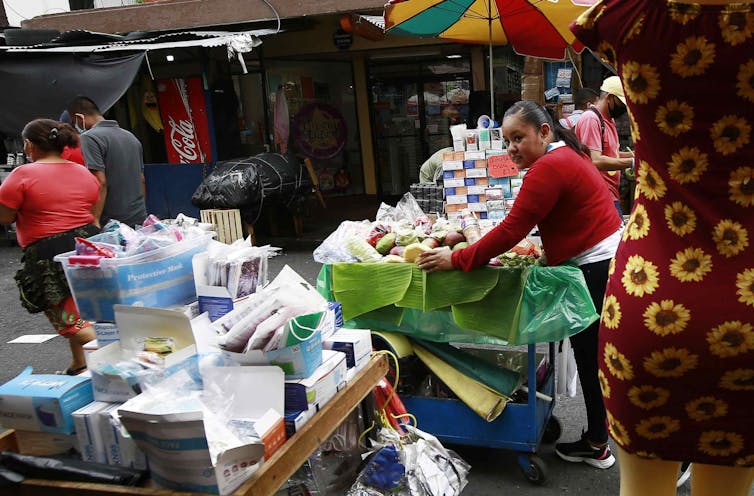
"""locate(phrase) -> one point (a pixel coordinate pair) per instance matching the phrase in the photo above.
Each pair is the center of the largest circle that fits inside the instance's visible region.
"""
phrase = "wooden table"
(265, 481)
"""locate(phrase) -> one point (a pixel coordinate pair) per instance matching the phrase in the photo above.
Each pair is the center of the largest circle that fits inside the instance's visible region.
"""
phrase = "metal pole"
(492, 84)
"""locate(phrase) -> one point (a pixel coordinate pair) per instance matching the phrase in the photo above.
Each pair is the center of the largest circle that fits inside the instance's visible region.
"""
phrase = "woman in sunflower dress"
(677, 332)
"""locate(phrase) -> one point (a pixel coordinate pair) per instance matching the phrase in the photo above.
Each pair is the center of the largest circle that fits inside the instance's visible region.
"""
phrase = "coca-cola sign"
(184, 118)
(183, 140)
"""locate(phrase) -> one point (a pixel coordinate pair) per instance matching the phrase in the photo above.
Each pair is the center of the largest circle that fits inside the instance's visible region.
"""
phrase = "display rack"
(265, 481)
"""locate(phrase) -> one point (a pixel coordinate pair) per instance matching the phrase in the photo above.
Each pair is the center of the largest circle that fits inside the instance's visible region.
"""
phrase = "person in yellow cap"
(596, 129)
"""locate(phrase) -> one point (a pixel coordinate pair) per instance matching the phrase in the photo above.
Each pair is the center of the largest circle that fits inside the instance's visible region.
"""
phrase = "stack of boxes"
(465, 180)
(428, 196)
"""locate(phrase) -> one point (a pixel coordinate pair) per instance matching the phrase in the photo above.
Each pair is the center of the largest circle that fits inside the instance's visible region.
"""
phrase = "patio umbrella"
(538, 28)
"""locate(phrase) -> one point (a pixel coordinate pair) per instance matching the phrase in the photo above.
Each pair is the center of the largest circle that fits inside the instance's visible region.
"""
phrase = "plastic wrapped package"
(252, 183)
(416, 464)
(335, 247)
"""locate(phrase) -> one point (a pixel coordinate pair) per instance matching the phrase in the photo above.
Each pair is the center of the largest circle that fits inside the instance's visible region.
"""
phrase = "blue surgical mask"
(82, 128)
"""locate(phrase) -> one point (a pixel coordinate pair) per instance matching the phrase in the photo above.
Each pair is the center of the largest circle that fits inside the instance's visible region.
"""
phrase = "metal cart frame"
(520, 427)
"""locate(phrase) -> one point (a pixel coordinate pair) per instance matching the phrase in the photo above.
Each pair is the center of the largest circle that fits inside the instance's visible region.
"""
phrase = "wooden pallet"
(226, 223)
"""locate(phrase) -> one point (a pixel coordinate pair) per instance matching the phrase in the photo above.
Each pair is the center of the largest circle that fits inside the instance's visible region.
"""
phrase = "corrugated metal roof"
(79, 41)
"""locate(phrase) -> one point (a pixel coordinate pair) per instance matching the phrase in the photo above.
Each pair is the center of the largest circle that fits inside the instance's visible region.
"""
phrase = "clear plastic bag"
(335, 247)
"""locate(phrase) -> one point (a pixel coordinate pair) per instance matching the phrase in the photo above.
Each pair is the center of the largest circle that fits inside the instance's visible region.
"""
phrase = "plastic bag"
(335, 247)
(429, 468)
(541, 320)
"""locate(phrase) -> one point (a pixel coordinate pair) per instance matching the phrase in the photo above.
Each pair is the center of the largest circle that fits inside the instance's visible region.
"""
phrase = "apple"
(397, 250)
(460, 246)
(452, 238)
(431, 242)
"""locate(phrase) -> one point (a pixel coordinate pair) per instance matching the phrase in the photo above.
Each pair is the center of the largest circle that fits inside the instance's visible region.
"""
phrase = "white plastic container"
(158, 278)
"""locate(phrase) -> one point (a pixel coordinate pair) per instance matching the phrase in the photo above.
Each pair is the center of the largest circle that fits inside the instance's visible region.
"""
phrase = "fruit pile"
(403, 242)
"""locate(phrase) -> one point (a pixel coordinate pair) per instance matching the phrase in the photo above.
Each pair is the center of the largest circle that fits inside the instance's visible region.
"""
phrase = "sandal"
(70, 371)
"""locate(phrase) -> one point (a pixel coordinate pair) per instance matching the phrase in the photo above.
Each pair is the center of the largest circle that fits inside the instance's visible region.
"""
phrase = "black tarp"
(253, 183)
(40, 85)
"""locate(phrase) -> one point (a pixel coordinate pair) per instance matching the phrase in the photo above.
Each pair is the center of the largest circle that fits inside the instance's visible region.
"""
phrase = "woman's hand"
(437, 259)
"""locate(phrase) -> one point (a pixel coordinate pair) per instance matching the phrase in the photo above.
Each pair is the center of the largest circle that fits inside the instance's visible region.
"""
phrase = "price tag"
(501, 166)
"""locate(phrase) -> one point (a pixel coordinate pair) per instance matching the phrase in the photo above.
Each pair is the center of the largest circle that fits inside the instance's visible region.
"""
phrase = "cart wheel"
(553, 430)
(536, 471)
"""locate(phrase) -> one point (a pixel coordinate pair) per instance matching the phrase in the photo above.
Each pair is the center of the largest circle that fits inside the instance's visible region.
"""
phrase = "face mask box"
(321, 386)
(135, 325)
(355, 343)
(43, 402)
(190, 450)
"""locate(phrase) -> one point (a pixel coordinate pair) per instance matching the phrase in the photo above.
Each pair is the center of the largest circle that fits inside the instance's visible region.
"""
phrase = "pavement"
(494, 471)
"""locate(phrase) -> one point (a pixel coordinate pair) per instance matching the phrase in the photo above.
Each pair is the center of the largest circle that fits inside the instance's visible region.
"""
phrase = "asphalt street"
(494, 472)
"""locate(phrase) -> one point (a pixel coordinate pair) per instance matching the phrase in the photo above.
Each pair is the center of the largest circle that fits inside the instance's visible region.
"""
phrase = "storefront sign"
(342, 40)
(319, 131)
(501, 166)
(184, 118)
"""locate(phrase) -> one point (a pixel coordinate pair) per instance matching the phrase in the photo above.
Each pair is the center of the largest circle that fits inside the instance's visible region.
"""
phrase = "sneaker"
(582, 451)
(684, 474)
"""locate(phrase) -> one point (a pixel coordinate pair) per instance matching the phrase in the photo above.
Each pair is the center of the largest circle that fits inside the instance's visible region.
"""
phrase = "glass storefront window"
(319, 118)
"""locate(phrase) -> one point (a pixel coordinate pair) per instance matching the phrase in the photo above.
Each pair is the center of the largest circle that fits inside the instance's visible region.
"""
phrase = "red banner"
(184, 117)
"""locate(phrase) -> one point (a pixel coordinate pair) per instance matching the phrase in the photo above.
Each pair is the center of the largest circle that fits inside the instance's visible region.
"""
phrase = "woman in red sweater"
(565, 196)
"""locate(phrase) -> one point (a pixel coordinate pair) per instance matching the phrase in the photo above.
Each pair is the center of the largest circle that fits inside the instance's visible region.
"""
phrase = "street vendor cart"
(491, 307)
(271, 475)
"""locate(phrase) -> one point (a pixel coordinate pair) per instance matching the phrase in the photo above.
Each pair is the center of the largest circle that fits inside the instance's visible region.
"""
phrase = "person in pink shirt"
(596, 129)
(565, 197)
(50, 200)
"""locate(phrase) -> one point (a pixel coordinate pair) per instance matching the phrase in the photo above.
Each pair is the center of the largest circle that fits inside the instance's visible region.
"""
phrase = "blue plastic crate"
(159, 278)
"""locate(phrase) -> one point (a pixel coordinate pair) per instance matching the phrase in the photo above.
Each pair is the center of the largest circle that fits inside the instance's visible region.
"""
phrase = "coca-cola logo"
(183, 139)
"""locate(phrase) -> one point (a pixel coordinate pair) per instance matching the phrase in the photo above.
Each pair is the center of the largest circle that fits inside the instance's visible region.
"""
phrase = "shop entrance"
(413, 104)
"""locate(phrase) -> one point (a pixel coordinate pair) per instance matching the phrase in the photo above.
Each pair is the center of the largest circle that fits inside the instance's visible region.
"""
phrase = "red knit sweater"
(564, 194)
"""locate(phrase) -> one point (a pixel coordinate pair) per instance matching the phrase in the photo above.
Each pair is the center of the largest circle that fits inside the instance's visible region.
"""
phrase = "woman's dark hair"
(533, 113)
(49, 135)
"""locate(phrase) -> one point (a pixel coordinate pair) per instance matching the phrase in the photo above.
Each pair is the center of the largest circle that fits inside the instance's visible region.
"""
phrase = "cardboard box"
(355, 343)
(453, 183)
(455, 199)
(320, 387)
(477, 172)
(474, 155)
(454, 208)
(478, 207)
(43, 402)
(476, 190)
(295, 420)
(91, 445)
(135, 325)
(468, 164)
(459, 155)
(451, 165)
(44, 443)
(455, 191)
(174, 436)
(479, 164)
(121, 450)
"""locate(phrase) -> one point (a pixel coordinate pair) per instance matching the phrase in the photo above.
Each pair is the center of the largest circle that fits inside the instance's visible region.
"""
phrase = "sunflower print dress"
(677, 329)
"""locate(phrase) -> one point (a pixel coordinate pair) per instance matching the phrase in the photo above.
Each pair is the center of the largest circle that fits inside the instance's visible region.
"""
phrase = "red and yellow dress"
(677, 333)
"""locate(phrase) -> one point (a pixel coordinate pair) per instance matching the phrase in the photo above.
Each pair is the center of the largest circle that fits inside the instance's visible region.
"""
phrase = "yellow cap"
(613, 86)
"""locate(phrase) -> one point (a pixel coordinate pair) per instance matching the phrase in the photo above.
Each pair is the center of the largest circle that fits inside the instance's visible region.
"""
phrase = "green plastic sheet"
(490, 305)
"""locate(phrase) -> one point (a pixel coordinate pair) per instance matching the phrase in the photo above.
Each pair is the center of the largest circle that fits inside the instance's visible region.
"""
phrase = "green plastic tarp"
(489, 305)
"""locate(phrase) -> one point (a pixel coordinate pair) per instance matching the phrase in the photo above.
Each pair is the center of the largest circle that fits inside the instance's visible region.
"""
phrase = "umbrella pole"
(492, 85)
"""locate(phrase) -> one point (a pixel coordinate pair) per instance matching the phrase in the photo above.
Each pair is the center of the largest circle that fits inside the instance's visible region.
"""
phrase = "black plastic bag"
(249, 184)
(66, 469)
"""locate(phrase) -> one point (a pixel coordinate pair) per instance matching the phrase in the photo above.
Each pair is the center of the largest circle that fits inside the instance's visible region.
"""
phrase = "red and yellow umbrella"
(538, 28)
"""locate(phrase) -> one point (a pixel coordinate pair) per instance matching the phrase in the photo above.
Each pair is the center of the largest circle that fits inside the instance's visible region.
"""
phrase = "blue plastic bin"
(159, 278)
